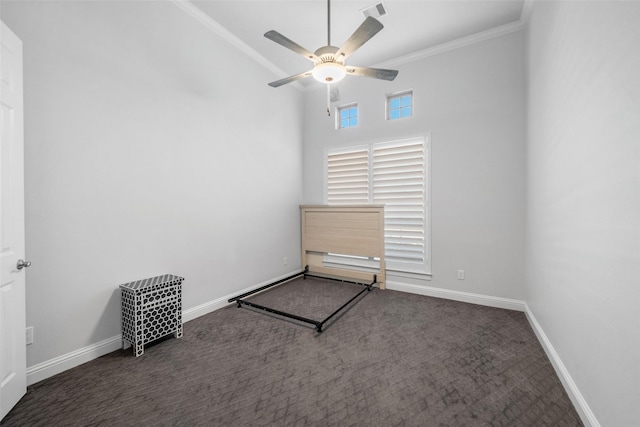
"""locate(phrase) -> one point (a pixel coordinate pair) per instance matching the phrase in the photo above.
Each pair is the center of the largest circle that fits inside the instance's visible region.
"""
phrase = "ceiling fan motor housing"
(328, 54)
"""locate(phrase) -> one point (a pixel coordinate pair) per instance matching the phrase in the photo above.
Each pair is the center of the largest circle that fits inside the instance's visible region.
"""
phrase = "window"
(348, 116)
(399, 105)
(393, 174)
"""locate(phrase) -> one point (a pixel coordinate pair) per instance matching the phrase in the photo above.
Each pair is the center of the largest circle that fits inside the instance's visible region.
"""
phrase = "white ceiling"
(410, 26)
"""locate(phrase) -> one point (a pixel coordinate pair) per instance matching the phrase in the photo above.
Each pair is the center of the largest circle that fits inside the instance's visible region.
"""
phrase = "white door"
(13, 361)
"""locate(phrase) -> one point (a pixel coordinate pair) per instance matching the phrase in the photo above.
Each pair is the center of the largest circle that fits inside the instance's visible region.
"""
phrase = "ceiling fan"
(329, 61)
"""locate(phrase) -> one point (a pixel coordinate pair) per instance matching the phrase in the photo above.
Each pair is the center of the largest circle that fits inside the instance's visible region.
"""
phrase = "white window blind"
(399, 184)
(393, 174)
(348, 177)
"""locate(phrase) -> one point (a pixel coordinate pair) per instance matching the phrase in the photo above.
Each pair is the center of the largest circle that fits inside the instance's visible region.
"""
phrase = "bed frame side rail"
(240, 299)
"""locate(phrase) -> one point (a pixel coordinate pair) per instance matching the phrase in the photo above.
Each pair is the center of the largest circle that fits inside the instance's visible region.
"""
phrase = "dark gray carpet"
(393, 359)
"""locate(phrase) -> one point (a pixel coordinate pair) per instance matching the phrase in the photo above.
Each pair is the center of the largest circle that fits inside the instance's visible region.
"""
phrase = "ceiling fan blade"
(369, 28)
(376, 73)
(289, 44)
(290, 79)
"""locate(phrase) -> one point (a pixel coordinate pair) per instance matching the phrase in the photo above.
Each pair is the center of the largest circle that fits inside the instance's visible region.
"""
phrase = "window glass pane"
(347, 114)
(400, 105)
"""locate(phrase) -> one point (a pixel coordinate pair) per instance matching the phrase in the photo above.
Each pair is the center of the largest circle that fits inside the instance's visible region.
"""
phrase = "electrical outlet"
(284, 261)
(460, 274)
(30, 335)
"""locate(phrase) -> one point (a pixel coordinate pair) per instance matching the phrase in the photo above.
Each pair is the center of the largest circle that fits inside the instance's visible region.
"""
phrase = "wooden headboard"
(356, 230)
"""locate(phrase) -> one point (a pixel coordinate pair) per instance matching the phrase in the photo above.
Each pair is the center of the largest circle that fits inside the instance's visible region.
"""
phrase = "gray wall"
(471, 101)
(151, 146)
(583, 207)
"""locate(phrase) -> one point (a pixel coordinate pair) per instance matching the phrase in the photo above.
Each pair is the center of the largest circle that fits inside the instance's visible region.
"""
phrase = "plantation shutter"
(393, 174)
(348, 177)
(398, 172)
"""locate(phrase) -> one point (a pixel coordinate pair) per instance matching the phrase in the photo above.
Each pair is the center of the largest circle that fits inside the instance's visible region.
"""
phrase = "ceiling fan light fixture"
(329, 72)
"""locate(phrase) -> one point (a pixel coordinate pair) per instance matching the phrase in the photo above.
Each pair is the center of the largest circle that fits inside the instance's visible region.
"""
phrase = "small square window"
(348, 116)
(399, 105)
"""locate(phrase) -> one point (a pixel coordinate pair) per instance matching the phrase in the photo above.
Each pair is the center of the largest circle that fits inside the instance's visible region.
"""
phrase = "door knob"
(23, 264)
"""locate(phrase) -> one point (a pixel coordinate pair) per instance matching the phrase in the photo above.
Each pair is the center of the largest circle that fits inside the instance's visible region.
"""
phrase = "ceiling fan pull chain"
(329, 100)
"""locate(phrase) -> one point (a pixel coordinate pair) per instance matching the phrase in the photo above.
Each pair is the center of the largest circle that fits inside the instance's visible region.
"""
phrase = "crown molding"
(455, 44)
(193, 11)
(211, 24)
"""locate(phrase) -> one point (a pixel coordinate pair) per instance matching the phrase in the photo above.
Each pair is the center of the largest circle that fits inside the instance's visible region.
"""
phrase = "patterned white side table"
(151, 309)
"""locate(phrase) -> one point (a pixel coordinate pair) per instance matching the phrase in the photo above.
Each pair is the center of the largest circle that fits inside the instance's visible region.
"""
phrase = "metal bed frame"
(352, 230)
(317, 323)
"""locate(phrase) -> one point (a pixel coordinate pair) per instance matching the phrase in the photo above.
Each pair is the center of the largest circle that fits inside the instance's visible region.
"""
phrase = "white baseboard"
(59, 364)
(211, 306)
(586, 414)
(497, 302)
(75, 358)
(202, 309)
